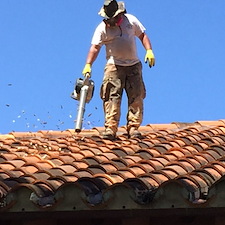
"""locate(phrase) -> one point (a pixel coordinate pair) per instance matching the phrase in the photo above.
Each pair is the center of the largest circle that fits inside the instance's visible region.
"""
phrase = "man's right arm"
(91, 57)
(93, 53)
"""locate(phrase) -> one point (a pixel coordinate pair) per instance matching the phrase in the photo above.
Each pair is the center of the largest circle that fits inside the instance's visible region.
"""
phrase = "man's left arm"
(149, 57)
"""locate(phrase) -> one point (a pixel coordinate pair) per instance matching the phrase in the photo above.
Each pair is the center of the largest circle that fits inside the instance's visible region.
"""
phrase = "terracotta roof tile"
(146, 165)
(109, 167)
(30, 168)
(136, 169)
(49, 164)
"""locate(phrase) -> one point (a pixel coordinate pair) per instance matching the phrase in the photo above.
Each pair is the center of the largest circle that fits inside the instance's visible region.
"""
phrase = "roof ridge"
(173, 126)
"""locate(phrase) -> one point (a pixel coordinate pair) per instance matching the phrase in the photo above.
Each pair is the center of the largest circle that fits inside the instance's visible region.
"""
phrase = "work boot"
(134, 133)
(109, 134)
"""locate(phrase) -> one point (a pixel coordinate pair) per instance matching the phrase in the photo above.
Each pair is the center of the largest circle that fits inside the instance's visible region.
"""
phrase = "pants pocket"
(111, 89)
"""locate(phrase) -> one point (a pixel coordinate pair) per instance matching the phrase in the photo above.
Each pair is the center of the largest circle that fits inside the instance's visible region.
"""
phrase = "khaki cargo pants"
(116, 79)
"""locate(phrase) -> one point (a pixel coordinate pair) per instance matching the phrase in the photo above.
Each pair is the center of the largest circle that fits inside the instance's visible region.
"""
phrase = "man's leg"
(136, 92)
(111, 94)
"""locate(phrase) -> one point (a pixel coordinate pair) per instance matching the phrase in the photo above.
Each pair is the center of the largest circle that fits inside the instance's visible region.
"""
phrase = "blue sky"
(43, 47)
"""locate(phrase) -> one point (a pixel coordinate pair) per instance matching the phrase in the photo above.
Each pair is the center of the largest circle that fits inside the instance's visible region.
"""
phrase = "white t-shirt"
(120, 41)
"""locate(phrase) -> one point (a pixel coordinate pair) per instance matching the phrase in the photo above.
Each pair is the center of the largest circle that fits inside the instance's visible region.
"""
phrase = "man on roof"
(123, 70)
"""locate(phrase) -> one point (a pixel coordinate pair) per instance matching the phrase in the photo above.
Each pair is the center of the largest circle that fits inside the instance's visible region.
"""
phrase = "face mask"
(115, 21)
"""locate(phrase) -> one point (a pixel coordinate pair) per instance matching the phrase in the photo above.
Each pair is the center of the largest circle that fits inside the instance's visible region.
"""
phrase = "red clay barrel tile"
(147, 166)
(83, 173)
(220, 166)
(68, 168)
(196, 162)
(177, 168)
(218, 140)
(8, 156)
(137, 169)
(169, 173)
(109, 167)
(7, 166)
(4, 175)
(56, 172)
(125, 173)
(133, 158)
(97, 169)
(178, 152)
(211, 123)
(191, 149)
(144, 154)
(200, 180)
(213, 172)
(44, 165)
(187, 164)
(29, 168)
(150, 181)
(156, 164)
(110, 155)
(80, 164)
(56, 161)
(17, 162)
(120, 163)
(41, 175)
(105, 178)
(213, 153)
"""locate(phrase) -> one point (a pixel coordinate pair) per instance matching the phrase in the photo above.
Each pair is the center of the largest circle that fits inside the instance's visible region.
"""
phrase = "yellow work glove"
(87, 70)
(150, 58)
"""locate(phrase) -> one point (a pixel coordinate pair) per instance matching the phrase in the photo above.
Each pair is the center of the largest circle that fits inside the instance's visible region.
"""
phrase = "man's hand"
(150, 58)
(87, 70)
